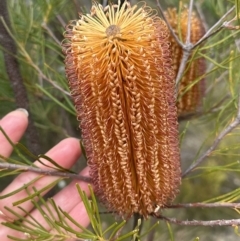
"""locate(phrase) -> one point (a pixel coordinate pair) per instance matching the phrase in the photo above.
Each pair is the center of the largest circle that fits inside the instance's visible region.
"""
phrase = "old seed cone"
(191, 88)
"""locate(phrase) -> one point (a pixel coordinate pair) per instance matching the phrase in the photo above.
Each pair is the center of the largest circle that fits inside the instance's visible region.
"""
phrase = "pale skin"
(65, 153)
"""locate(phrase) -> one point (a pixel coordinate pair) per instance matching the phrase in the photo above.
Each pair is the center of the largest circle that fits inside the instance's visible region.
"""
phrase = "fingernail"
(24, 111)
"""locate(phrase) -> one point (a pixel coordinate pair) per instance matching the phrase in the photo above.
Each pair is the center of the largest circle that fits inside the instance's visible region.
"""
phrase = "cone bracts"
(190, 92)
(119, 68)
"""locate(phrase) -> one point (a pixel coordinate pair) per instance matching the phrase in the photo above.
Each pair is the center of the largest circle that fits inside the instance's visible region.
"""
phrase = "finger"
(65, 153)
(68, 199)
(79, 214)
(14, 124)
(5, 231)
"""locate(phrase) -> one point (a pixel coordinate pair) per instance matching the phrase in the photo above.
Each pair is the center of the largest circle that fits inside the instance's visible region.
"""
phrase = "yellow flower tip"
(119, 67)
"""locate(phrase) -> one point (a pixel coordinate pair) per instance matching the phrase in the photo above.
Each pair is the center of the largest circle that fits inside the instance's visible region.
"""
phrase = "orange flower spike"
(119, 68)
(188, 102)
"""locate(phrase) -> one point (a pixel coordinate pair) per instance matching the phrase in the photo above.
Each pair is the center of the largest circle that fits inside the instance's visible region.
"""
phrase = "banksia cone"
(119, 68)
(188, 102)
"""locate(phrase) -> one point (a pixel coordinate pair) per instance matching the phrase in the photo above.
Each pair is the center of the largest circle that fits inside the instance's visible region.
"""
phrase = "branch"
(187, 47)
(215, 108)
(220, 222)
(188, 38)
(169, 25)
(61, 21)
(29, 60)
(205, 205)
(23, 168)
(227, 130)
(201, 15)
(44, 26)
(15, 77)
(210, 32)
(50, 81)
(182, 67)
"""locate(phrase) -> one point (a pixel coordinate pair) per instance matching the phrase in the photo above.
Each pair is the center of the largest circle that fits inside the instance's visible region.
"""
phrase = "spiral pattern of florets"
(119, 67)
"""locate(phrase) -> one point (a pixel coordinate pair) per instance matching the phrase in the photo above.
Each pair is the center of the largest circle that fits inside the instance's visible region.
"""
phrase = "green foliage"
(37, 28)
(63, 226)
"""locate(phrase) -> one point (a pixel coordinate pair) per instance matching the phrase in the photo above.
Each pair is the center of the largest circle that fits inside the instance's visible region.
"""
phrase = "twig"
(60, 19)
(228, 25)
(169, 25)
(188, 38)
(50, 81)
(231, 222)
(187, 48)
(227, 130)
(30, 62)
(217, 80)
(205, 205)
(23, 168)
(202, 16)
(182, 67)
(210, 32)
(217, 107)
(44, 25)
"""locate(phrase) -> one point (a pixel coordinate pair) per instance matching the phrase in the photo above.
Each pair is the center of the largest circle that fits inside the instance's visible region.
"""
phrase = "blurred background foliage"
(37, 28)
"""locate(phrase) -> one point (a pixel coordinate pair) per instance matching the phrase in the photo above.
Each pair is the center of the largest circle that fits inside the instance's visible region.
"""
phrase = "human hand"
(65, 153)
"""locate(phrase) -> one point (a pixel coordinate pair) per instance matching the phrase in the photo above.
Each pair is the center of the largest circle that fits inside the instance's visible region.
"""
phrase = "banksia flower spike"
(119, 68)
(189, 101)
